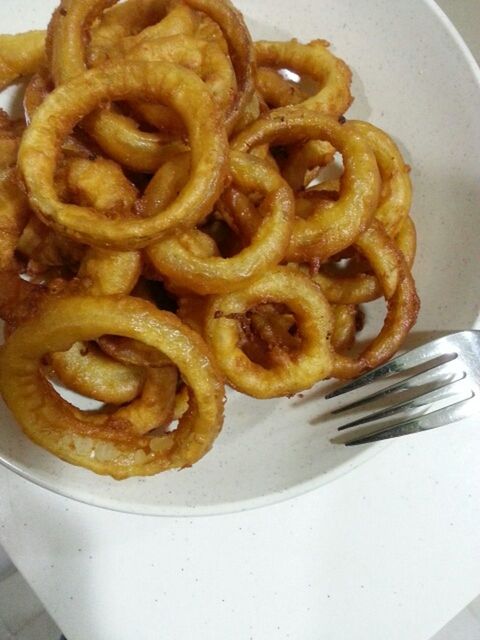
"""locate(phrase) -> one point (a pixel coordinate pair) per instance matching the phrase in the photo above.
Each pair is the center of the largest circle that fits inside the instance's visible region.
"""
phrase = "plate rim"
(275, 497)
(222, 508)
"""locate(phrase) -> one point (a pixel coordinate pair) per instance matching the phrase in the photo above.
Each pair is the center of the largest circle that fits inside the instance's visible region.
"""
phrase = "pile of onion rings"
(174, 218)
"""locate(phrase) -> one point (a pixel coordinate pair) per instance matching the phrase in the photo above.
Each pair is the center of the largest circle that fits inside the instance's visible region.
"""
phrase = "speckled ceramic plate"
(414, 77)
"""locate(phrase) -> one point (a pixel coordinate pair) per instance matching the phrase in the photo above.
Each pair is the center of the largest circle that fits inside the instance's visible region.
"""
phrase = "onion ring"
(180, 21)
(219, 199)
(119, 137)
(157, 406)
(364, 287)
(66, 40)
(88, 371)
(315, 60)
(84, 368)
(117, 134)
(104, 443)
(39, 150)
(402, 311)
(213, 274)
(314, 325)
(332, 229)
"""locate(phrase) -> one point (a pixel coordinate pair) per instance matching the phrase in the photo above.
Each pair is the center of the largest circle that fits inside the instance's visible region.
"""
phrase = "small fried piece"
(10, 134)
(21, 55)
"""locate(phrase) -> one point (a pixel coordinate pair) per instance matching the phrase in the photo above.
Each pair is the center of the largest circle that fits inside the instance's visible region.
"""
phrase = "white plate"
(414, 77)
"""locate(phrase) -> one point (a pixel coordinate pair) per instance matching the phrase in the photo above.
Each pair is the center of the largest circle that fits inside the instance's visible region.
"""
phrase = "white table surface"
(389, 551)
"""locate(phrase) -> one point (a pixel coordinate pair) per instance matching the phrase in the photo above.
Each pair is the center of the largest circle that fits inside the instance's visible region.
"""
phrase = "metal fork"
(442, 386)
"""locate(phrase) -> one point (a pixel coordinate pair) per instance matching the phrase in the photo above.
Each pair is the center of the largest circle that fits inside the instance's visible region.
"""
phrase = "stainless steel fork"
(440, 385)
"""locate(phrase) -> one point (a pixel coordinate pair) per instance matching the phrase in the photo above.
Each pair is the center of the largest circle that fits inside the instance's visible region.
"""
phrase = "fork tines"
(435, 390)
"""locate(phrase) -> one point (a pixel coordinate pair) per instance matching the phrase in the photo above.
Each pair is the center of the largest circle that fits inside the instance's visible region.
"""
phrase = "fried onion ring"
(173, 217)
(402, 309)
(84, 368)
(107, 443)
(61, 111)
(365, 287)
(117, 134)
(214, 274)
(402, 312)
(315, 60)
(66, 37)
(331, 229)
(180, 21)
(294, 372)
